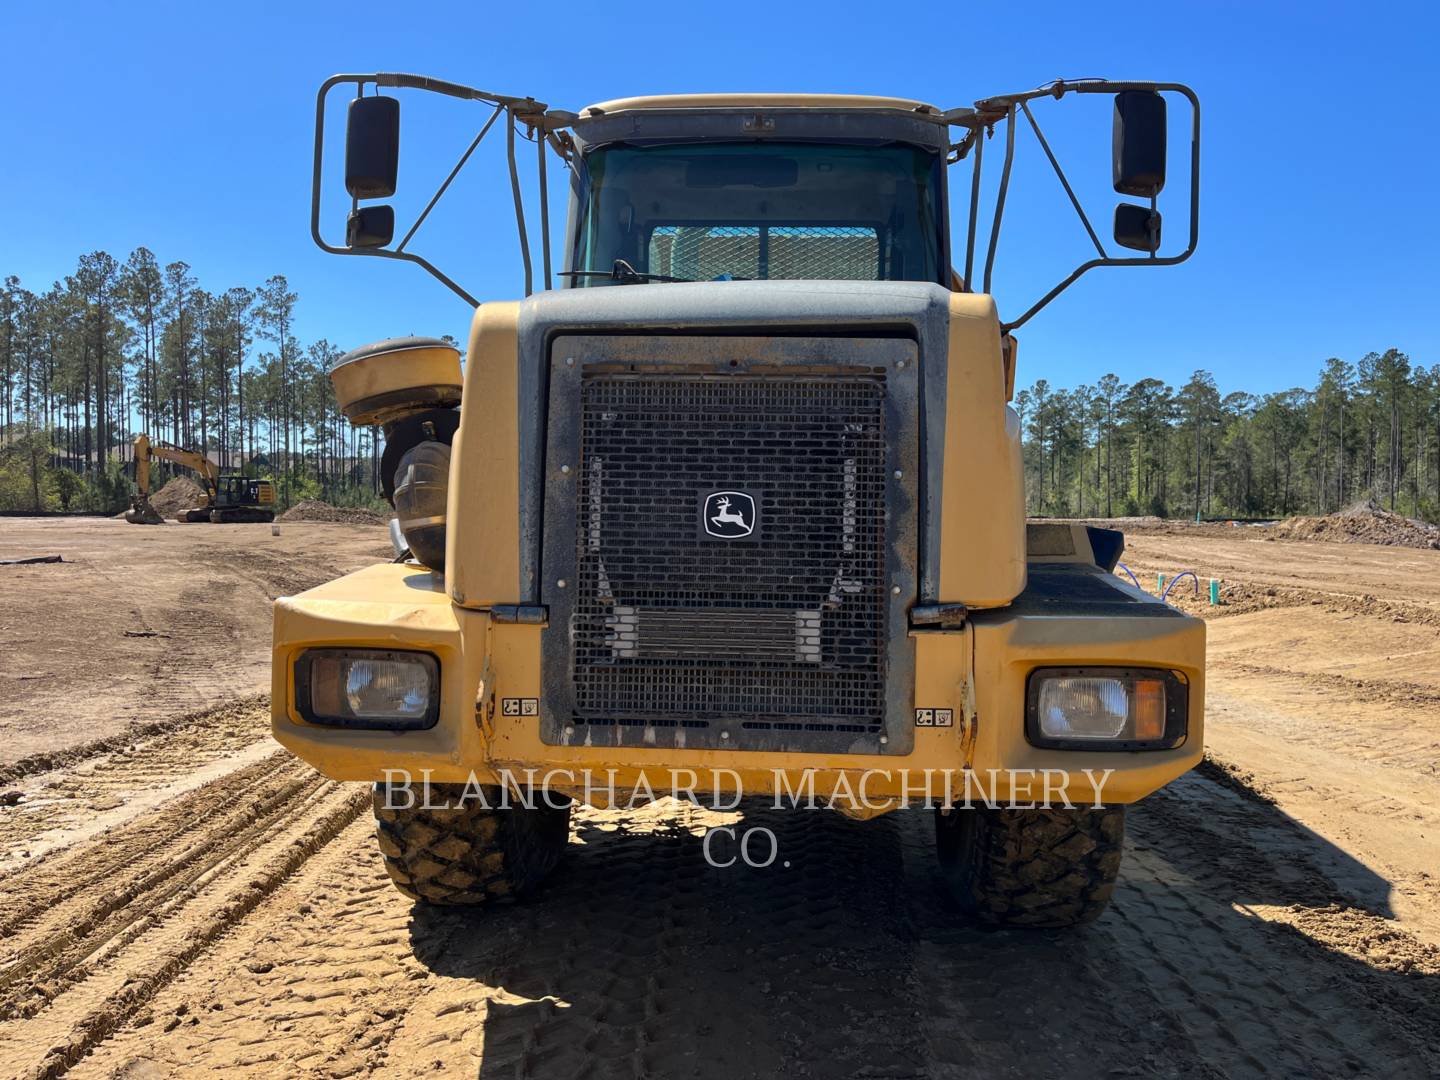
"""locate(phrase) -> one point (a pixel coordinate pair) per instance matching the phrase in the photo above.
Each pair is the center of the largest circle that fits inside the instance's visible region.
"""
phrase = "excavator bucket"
(142, 513)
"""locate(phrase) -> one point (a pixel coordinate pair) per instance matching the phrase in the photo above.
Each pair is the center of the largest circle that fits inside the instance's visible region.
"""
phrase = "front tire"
(1042, 867)
(440, 848)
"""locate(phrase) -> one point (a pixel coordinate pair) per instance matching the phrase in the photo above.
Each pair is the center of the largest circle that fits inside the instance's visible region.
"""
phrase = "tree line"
(1366, 430)
(121, 348)
(116, 349)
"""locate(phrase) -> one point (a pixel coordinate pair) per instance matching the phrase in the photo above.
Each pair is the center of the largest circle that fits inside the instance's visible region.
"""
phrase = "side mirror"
(372, 147)
(1138, 143)
(1137, 228)
(370, 226)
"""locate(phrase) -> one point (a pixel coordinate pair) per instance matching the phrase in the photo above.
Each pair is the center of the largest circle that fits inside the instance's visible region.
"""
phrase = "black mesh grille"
(785, 628)
(827, 252)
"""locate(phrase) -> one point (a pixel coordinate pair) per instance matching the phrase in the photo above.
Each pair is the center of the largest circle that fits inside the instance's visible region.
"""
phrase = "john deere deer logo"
(728, 515)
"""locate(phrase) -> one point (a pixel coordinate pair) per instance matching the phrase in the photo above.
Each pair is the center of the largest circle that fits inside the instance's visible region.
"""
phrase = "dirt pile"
(181, 493)
(1363, 523)
(315, 510)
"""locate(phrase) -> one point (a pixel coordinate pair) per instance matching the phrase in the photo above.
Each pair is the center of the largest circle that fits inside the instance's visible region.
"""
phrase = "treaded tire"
(449, 850)
(1042, 867)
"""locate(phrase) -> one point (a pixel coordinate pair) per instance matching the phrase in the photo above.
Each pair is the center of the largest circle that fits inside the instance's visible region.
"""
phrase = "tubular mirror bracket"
(535, 115)
(1000, 196)
(979, 137)
(544, 204)
(446, 184)
(519, 202)
(1065, 183)
(991, 111)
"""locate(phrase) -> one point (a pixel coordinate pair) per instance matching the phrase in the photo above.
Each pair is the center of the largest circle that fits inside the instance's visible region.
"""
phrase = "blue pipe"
(1122, 566)
(1193, 577)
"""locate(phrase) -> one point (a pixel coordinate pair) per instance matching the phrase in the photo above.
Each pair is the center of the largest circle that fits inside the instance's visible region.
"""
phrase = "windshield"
(704, 212)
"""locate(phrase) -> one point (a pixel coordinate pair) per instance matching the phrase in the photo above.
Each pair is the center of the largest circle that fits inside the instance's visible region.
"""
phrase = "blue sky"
(188, 128)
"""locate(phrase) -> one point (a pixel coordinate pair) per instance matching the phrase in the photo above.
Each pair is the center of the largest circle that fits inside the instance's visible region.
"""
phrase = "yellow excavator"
(227, 499)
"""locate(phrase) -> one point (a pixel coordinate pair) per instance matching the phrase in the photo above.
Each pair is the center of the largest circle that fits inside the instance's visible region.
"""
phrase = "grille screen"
(782, 628)
(704, 252)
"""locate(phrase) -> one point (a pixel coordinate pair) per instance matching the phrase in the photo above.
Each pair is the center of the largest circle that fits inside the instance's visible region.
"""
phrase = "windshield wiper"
(622, 274)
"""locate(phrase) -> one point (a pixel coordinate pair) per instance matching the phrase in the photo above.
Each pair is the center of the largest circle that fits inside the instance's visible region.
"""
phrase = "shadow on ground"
(640, 959)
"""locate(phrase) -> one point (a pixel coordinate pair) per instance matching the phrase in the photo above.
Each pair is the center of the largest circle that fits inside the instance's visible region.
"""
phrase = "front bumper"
(1075, 615)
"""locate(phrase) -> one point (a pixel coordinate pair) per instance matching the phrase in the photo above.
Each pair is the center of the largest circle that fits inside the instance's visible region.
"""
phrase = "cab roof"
(819, 102)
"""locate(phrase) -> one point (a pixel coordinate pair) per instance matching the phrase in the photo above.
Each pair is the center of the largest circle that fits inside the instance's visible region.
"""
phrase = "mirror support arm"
(453, 173)
(1153, 259)
(544, 206)
(519, 202)
(1000, 198)
(440, 86)
(974, 208)
(534, 114)
(1064, 181)
(990, 111)
(404, 256)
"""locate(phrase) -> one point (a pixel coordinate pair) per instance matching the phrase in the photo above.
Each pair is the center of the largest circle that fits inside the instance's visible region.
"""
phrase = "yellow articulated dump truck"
(731, 504)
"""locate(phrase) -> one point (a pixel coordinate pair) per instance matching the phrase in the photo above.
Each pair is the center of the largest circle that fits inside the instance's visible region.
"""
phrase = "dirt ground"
(185, 899)
(144, 624)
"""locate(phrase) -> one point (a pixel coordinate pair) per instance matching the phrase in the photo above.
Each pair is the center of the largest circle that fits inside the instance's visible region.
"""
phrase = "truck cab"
(841, 188)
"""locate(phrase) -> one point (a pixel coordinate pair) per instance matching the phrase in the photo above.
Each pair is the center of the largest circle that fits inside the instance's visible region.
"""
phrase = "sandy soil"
(143, 624)
(1324, 692)
(196, 902)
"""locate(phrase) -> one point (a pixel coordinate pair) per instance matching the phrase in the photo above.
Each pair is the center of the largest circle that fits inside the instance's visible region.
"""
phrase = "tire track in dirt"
(79, 925)
(139, 626)
(1242, 598)
(161, 842)
(1395, 692)
(1228, 953)
(122, 983)
(224, 719)
(1023, 1003)
(1391, 584)
(317, 982)
(1388, 724)
(678, 968)
(119, 779)
(93, 932)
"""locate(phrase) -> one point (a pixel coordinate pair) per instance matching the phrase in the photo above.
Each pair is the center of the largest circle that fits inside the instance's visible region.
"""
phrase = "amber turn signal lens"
(1148, 705)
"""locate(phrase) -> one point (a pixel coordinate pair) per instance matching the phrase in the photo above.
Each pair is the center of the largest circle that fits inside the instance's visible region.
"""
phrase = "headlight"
(368, 688)
(1106, 708)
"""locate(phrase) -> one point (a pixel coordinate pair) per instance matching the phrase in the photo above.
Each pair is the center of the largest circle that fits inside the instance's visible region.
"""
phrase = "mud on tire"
(1042, 867)
(440, 848)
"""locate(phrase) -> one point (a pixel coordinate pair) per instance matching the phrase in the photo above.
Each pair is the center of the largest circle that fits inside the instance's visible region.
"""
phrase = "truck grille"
(785, 628)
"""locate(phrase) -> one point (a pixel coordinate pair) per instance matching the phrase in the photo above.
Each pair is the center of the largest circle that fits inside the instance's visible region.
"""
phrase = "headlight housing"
(1106, 708)
(381, 689)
